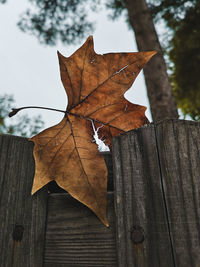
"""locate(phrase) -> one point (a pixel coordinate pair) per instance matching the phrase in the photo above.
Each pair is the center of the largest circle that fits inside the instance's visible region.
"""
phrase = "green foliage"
(59, 20)
(67, 20)
(181, 47)
(53, 20)
(117, 7)
(172, 11)
(185, 54)
(19, 125)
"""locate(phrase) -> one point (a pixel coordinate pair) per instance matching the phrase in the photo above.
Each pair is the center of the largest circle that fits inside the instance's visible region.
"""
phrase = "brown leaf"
(95, 86)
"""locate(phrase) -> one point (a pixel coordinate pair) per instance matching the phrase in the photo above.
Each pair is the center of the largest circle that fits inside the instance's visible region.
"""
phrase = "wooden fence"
(154, 210)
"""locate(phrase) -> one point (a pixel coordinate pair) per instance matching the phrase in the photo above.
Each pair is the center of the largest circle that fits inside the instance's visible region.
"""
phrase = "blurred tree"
(172, 11)
(67, 20)
(181, 46)
(52, 20)
(20, 125)
(157, 81)
(185, 55)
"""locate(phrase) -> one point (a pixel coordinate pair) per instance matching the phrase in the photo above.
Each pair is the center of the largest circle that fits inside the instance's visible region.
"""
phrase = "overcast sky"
(30, 71)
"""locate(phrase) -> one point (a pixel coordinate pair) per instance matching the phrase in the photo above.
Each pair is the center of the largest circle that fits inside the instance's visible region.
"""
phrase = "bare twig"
(16, 110)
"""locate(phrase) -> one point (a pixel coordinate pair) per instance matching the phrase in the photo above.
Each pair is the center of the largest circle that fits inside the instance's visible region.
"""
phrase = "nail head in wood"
(137, 235)
(18, 232)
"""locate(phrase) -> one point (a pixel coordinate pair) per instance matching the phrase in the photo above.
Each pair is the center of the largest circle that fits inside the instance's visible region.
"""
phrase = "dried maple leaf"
(95, 86)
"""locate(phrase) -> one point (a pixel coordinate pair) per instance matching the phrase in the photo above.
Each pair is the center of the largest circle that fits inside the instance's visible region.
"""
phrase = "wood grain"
(75, 237)
(22, 216)
(157, 188)
(179, 153)
(155, 222)
(139, 205)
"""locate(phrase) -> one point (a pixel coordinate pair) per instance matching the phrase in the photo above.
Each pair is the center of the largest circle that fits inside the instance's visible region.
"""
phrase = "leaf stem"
(16, 110)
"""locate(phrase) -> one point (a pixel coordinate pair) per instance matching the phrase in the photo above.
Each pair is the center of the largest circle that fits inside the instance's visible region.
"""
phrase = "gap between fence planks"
(76, 237)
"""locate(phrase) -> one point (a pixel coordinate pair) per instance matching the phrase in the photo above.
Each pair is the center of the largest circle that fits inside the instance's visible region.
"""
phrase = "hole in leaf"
(99, 141)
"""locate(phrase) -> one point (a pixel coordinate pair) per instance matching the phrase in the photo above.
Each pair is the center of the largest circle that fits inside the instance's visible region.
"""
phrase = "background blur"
(30, 71)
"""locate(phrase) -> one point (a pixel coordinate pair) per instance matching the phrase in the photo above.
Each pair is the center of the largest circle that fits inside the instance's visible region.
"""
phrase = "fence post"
(22, 216)
(179, 153)
(157, 195)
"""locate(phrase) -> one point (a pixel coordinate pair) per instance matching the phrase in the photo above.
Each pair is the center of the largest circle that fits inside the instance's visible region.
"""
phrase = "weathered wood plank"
(142, 230)
(157, 205)
(179, 153)
(75, 237)
(22, 216)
